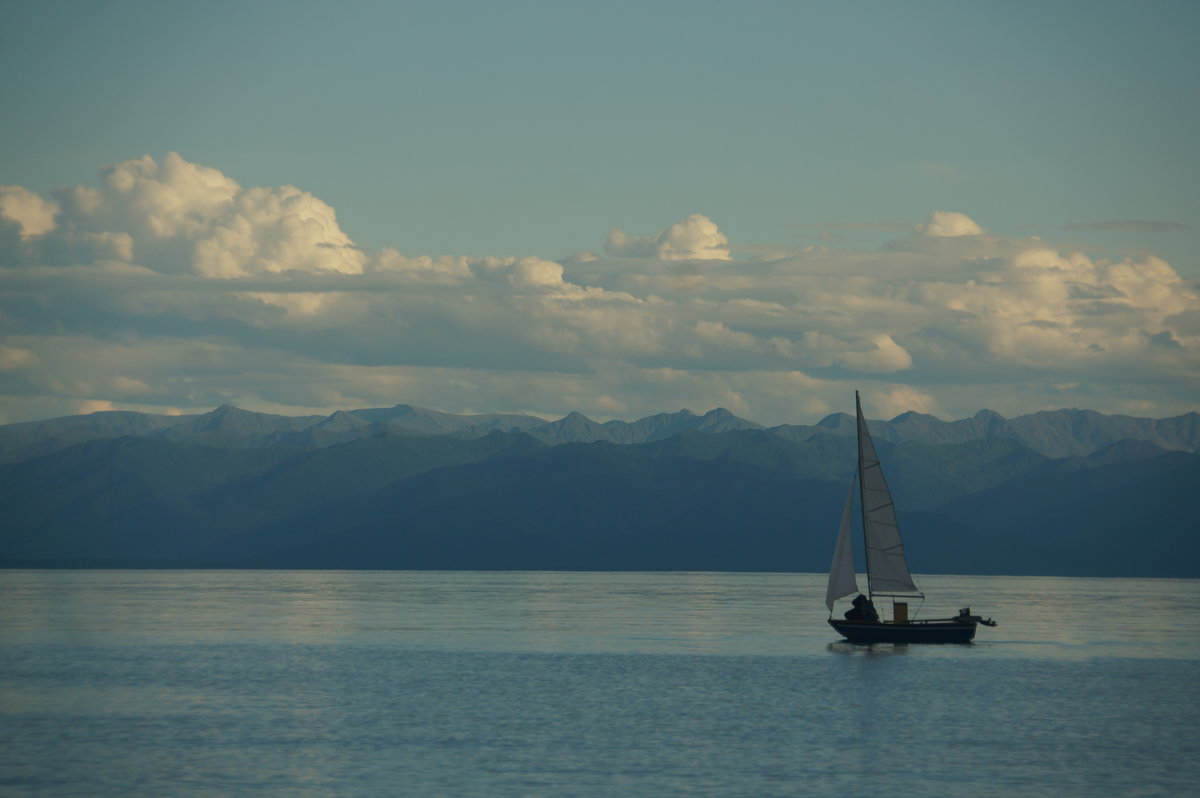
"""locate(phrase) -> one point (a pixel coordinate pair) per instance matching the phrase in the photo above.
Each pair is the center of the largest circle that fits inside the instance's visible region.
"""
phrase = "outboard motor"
(965, 616)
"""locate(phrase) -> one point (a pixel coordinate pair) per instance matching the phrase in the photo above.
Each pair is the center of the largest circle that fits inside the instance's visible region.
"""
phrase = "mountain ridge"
(743, 499)
(1056, 433)
(1062, 492)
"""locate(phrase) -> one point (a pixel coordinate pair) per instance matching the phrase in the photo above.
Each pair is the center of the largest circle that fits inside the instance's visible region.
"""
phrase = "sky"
(612, 208)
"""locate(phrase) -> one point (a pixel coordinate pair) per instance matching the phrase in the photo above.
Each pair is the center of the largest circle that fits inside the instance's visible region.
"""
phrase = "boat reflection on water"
(846, 648)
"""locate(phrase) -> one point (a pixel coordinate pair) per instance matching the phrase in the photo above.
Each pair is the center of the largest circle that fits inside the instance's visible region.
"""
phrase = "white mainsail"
(841, 573)
(887, 568)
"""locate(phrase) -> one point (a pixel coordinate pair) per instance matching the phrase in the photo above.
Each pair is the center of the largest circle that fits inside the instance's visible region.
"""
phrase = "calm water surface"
(189, 683)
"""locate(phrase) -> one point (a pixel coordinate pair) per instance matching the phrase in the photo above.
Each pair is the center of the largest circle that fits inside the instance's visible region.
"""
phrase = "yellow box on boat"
(900, 611)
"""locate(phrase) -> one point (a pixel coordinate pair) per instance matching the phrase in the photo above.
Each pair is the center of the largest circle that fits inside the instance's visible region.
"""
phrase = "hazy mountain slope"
(1130, 518)
(339, 427)
(573, 507)
(571, 428)
(907, 427)
(665, 425)
(1061, 433)
(921, 476)
(312, 478)
(31, 439)
(226, 426)
(121, 498)
(649, 507)
(434, 422)
(828, 457)
(926, 476)
(744, 497)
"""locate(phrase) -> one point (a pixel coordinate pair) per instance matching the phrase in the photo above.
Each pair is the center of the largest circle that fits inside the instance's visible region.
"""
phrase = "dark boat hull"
(948, 631)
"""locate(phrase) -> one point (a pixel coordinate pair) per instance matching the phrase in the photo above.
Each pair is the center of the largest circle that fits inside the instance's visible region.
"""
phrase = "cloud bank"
(168, 286)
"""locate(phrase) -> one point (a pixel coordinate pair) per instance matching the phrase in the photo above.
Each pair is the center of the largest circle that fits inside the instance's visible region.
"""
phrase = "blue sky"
(532, 130)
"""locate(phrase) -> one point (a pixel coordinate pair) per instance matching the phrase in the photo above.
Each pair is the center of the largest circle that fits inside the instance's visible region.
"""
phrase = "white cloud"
(696, 237)
(170, 199)
(948, 224)
(30, 212)
(444, 270)
(30, 234)
(534, 272)
(619, 245)
(294, 304)
(174, 216)
(274, 230)
(714, 332)
(886, 356)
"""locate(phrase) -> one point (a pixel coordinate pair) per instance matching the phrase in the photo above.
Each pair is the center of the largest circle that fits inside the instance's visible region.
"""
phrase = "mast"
(862, 495)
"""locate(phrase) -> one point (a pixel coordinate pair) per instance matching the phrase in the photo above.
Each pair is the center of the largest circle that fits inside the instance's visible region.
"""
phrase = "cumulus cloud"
(948, 224)
(167, 199)
(885, 357)
(696, 237)
(32, 215)
(168, 285)
(30, 235)
(274, 230)
(174, 216)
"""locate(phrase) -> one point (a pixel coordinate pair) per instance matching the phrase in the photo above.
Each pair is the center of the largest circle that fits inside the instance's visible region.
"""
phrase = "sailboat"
(888, 574)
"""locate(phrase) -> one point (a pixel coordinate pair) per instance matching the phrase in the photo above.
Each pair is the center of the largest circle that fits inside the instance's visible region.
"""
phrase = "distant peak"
(833, 420)
(985, 414)
(222, 418)
(719, 412)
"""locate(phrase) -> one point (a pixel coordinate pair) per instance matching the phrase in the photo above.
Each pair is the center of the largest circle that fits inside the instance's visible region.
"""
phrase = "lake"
(371, 683)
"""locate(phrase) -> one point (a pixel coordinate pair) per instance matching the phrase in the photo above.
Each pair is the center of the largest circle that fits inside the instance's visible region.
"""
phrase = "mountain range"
(1066, 492)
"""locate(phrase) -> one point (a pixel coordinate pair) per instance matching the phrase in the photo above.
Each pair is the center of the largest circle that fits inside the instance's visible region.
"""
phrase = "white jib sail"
(887, 568)
(841, 573)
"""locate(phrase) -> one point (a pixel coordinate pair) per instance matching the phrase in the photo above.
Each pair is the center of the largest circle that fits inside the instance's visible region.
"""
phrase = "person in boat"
(863, 610)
